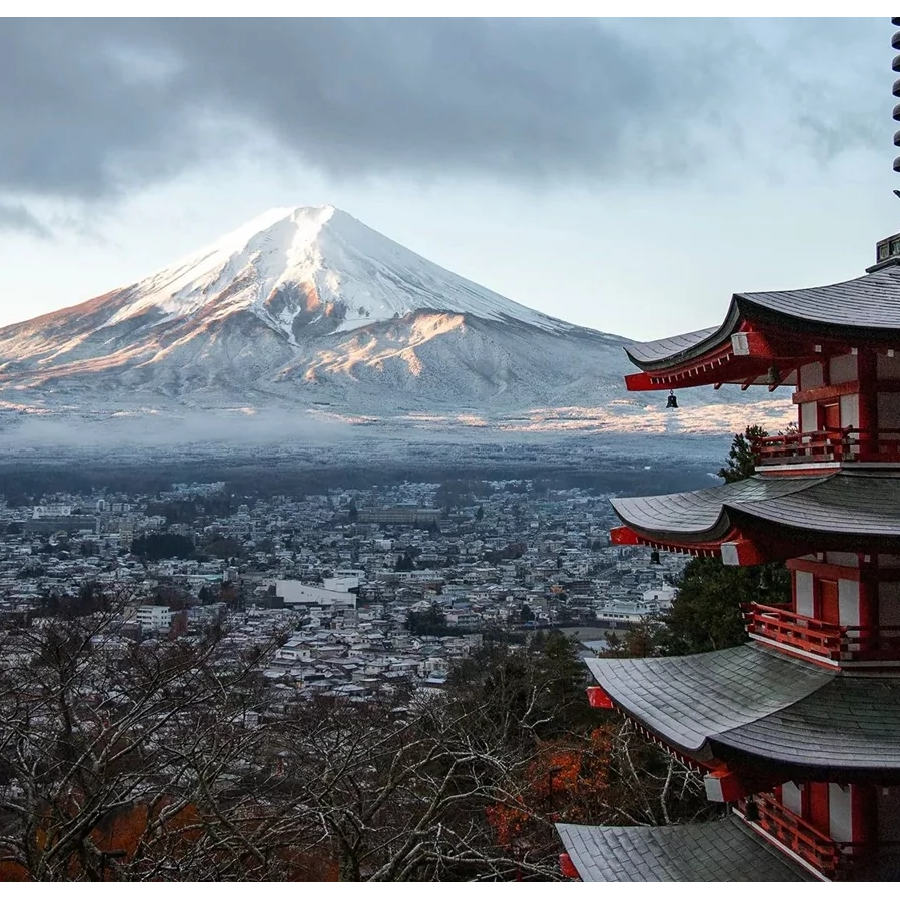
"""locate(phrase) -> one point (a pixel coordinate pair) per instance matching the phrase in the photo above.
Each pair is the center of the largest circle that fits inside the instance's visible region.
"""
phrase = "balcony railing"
(839, 643)
(837, 860)
(829, 857)
(829, 445)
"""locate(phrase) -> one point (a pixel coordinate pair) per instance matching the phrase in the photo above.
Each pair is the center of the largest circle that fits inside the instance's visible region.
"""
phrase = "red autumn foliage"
(563, 781)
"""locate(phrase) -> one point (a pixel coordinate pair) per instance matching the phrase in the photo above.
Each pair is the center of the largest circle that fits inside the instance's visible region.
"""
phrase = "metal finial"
(895, 65)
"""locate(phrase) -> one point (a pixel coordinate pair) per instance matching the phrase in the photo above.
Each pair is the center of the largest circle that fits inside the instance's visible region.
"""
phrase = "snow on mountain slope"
(349, 273)
(308, 308)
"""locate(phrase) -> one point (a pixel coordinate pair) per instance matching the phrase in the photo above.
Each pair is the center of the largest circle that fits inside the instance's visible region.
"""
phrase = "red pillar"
(864, 810)
(868, 592)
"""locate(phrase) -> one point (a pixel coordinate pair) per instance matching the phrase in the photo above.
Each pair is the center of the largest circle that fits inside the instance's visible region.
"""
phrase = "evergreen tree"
(741, 460)
(706, 612)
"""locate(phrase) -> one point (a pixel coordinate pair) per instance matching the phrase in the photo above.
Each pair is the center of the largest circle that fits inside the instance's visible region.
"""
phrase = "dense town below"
(365, 587)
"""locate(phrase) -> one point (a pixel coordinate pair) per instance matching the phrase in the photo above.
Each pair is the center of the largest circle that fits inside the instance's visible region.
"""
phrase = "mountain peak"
(318, 263)
(307, 307)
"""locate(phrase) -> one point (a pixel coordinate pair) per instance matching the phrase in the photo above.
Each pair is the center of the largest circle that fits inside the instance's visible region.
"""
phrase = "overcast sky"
(628, 175)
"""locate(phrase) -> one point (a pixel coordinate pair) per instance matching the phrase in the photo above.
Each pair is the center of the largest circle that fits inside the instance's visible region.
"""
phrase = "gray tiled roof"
(688, 699)
(652, 351)
(867, 305)
(852, 723)
(871, 301)
(763, 703)
(848, 502)
(726, 850)
(704, 512)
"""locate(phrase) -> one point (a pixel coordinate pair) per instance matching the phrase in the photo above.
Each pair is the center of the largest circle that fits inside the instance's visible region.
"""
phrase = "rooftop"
(863, 308)
(712, 851)
(749, 700)
(848, 502)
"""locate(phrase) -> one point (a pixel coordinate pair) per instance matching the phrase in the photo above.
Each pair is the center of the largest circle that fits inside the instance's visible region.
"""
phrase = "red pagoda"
(797, 731)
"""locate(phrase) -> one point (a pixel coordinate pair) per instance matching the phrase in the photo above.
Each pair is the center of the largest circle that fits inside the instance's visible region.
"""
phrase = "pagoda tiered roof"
(752, 701)
(726, 850)
(848, 505)
(763, 328)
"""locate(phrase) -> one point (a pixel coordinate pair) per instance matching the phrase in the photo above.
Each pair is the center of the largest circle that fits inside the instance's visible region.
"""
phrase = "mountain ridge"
(307, 307)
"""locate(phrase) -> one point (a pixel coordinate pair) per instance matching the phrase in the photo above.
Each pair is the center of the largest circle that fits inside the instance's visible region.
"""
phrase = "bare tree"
(402, 788)
(160, 741)
(176, 760)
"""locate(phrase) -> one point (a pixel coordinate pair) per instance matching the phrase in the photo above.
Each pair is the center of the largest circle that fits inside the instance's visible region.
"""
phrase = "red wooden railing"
(840, 643)
(837, 860)
(829, 445)
(792, 832)
(779, 623)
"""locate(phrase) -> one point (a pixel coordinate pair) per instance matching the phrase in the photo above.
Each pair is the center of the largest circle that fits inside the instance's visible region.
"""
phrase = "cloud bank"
(94, 108)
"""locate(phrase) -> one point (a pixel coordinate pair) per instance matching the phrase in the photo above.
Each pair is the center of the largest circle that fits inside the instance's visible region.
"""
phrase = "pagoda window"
(848, 602)
(888, 807)
(849, 411)
(809, 417)
(804, 595)
(889, 604)
(888, 366)
(792, 797)
(840, 812)
(811, 376)
(842, 369)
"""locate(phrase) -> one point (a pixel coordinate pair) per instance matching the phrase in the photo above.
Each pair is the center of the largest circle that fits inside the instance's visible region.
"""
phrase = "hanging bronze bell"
(672, 401)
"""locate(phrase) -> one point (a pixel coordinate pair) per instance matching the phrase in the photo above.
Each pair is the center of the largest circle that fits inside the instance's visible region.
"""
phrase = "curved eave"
(863, 311)
(782, 517)
(686, 700)
(702, 516)
(753, 702)
(678, 349)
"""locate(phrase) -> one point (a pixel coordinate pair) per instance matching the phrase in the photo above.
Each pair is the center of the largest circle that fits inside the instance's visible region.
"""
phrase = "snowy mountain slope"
(307, 307)
(293, 265)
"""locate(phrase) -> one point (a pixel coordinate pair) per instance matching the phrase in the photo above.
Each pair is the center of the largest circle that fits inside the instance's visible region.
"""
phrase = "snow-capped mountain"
(296, 266)
(309, 308)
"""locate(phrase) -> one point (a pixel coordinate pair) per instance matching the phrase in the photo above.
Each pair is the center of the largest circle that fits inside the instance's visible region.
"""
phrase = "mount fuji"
(308, 309)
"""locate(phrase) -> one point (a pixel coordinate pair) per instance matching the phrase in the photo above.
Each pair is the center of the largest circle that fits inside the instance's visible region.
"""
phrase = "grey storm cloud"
(94, 107)
(16, 217)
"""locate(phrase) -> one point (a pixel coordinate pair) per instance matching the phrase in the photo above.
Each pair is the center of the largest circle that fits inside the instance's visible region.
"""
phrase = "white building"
(341, 583)
(296, 593)
(662, 597)
(52, 511)
(154, 618)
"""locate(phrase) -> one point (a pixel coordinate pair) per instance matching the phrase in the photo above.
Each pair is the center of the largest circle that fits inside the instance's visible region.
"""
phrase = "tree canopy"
(706, 611)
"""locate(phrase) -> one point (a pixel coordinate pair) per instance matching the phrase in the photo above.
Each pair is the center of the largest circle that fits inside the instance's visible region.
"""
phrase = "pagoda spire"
(895, 65)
